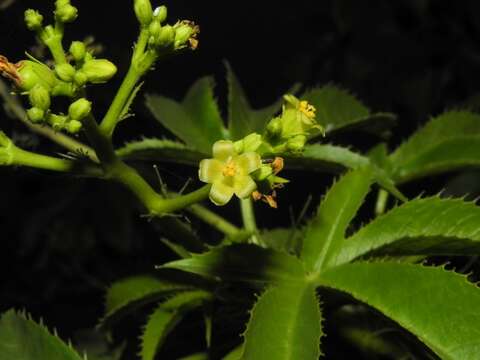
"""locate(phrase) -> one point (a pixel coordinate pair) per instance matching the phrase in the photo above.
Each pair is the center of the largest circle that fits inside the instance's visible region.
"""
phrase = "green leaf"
(23, 339)
(430, 226)
(285, 324)
(325, 234)
(242, 119)
(196, 120)
(196, 356)
(438, 306)
(164, 319)
(235, 354)
(242, 262)
(337, 109)
(160, 150)
(130, 293)
(432, 141)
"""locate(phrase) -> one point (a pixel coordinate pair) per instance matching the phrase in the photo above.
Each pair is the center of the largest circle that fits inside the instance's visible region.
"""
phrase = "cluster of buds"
(289, 131)
(181, 35)
(71, 72)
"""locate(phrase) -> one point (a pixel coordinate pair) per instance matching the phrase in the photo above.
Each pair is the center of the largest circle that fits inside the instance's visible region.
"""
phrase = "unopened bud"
(35, 114)
(57, 122)
(74, 126)
(79, 109)
(39, 97)
(160, 13)
(80, 78)
(166, 37)
(296, 143)
(154, 28)
(143, 11)
(99, 70)
(274, 127)
(78, 50)
(31, 73)
(33, 19)
(65, 12)
(65, 72)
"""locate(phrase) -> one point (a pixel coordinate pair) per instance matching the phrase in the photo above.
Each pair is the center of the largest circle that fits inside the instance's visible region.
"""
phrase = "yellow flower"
(229, 173)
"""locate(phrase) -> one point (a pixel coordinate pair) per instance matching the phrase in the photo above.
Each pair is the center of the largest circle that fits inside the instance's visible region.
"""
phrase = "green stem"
(248, 217)
(213, 219)
(170, 205)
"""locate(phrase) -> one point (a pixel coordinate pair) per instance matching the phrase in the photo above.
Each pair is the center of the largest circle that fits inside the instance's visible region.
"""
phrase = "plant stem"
(248, 217)
(213, 219)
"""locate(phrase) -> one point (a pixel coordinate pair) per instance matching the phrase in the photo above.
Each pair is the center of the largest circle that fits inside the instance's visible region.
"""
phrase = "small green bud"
(35, 114)
(99, 70)
(57, 122)
(78, 50)
(79, 109)
(39, 97)
(143, 11)
(160, 13)
(65, 72)
(33, 19)
(65, 12)
(80, 78)
(186, 32)
(274, 127)
(74, 126)
(166, 37)
(296, 143)
(31, 73)
(154, 28)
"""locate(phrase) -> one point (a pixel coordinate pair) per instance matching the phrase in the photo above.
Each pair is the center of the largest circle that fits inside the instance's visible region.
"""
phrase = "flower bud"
(79, 109)
(166, 37)
(65, 12)
(160, 13)
(78, 50)
(99, 70)
(154, 28)
(274, 127)
(39, 97)
(296, 143)
(57, 122)
(143, 11)
(65, 72)
(186, 32)
(74, 126)
(80, 78)
(35, 114)
(31, 73)
(33, 19)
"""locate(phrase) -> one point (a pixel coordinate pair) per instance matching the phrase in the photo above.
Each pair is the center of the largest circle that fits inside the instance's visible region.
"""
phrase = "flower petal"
(244, 186)
(248, 162)
(210, 170)
(220, 193)
(223, 149)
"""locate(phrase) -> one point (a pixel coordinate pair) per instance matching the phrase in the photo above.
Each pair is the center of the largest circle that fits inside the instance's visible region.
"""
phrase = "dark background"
(64, 240)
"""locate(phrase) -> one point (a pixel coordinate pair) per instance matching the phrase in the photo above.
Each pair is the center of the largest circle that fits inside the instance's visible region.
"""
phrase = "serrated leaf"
(285, 324)
(325, 234)
(338, 109)
(444, 128)
(160, 150)
(196, 120)
(430, 226)
(164, 319)
(127, 294)
(242, 119)
(23, 339)
(438, 306)
(242, 262)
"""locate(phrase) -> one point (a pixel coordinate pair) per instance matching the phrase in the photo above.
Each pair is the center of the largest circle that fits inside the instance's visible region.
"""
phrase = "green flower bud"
(274, 127)
(80, 78)
(33, 19)
(78, 50)
(65, 12)
(186, 32)
(160, 13)
(35, 114)
(99, 70)
(143, 11)
(154, 28)
(31, 73)
(79, 109)
(65, 72)
(166, 37)
(74, 126)
(296, 143)
(39, 97)
(57, 122)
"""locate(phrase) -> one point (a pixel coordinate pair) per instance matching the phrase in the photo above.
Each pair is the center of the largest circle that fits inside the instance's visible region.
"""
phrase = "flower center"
(307, 109)
(229, 169)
